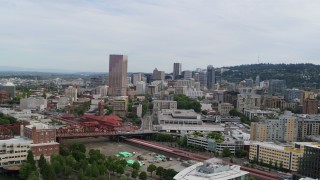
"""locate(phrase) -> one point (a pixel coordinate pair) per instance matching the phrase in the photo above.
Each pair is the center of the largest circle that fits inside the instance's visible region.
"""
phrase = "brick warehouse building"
(39, 138)
(43, 139)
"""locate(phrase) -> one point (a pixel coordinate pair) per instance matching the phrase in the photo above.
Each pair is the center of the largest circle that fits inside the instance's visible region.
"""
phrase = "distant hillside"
(296, 75)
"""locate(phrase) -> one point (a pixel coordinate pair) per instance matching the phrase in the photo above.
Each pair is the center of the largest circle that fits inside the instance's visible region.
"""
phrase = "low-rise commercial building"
(33, 103)
(212, 169)
(212, 145)
(179, 116)
(257, 113)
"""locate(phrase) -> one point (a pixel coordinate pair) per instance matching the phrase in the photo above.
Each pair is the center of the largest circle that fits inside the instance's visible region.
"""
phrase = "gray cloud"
(80, 34)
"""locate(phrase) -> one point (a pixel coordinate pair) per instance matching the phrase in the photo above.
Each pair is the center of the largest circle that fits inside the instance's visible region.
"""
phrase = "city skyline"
(80, 35)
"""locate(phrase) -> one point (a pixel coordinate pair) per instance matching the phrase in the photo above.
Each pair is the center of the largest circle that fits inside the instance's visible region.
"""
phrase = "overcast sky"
(79, 35)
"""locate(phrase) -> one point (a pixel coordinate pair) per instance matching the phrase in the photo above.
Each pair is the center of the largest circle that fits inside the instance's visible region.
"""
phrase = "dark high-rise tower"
(176, 70)
(118, 67)
(211, 77)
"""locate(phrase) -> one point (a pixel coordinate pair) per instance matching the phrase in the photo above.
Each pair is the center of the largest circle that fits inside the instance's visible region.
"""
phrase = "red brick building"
(43, 139)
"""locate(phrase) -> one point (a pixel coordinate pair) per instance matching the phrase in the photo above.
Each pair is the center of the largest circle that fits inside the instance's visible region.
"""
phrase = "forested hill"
(296, 75)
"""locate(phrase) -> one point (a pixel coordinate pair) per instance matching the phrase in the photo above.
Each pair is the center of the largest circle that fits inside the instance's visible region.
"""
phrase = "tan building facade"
(118, 67)
(276, 154)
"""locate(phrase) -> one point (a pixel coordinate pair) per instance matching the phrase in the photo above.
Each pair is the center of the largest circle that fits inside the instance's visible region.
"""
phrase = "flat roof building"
(212, 169)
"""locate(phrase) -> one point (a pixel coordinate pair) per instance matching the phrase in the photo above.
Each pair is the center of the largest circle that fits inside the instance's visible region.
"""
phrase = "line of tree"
(161, 137)
(271, 165)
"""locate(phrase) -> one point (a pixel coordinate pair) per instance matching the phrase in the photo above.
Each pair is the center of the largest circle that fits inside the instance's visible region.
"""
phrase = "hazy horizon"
(79, 35)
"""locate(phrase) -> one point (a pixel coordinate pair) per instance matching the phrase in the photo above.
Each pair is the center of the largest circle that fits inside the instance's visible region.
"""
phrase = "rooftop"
(17, 140)
(209, 170)
(38, 126)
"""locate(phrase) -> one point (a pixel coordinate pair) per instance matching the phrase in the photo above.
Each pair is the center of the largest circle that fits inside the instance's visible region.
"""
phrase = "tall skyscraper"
(118, 67)
(176, 70)
(211, 77)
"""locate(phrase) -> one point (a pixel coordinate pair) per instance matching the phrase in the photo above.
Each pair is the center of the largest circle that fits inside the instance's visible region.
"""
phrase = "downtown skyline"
(80, 35)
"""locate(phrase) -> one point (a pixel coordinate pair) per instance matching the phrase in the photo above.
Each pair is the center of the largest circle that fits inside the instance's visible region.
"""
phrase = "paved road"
(146, 122)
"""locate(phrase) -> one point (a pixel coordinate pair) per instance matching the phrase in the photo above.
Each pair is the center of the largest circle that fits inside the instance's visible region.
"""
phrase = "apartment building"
(288, 127)
(283, 155)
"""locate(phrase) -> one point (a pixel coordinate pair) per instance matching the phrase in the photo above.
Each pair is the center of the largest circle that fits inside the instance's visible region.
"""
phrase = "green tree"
(270, 165)
(136, 165)
(42, 161)
(145, 105)
(94, 170)
(281, 166)
(184, 102)
(48, 172)
(30, 160)
(123, 178)
(168, 174)
(25, 170)
(135, 174)
(276, 165)
(58, 168)
(217, 136)
(151, 168)
(120, 169)
(44, 95)
(251, 178)
(95, 155)
(159, 171)
(261, 162)
(64, 151)
(33, 175)
(70, 161)
(240, 153)
(67, 171)
(143, 175)
(226, 152)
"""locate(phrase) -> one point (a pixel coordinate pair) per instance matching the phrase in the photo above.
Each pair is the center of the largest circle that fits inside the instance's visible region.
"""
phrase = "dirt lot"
(110, 148)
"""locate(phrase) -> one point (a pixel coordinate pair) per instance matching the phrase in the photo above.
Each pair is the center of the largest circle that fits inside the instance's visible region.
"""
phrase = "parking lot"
(110, 148)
